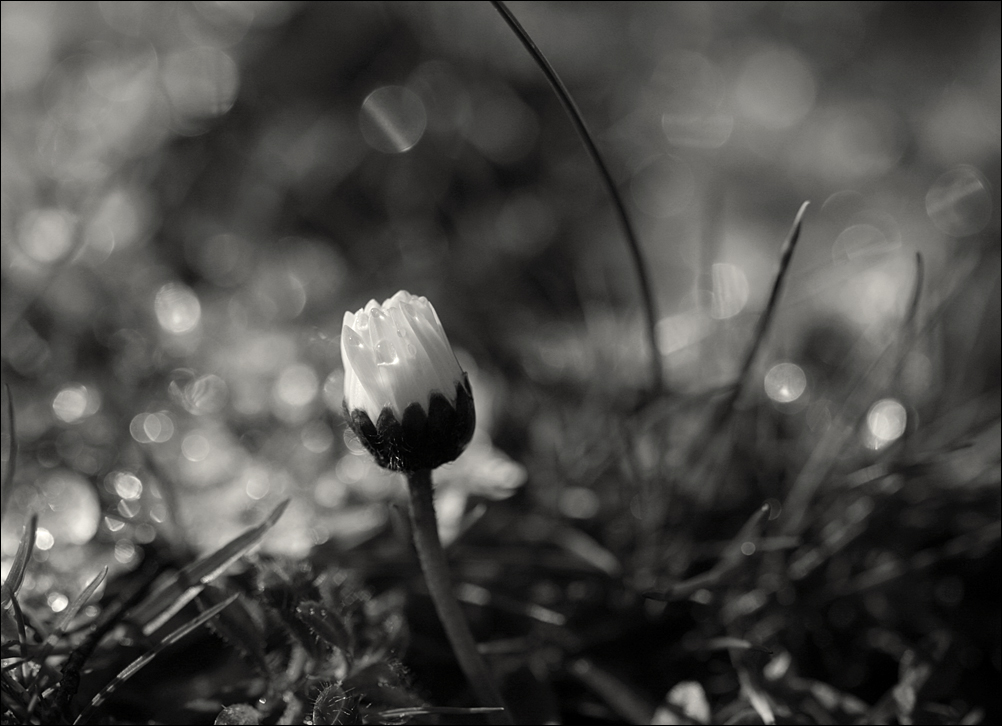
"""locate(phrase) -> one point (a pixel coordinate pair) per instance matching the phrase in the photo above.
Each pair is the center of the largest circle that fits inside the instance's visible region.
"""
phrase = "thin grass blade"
(785, 255)
(16, 575)
(144, 660)
(71, 612)
(183, 587)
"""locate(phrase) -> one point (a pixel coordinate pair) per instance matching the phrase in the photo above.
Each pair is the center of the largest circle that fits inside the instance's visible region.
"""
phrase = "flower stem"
(436, 574)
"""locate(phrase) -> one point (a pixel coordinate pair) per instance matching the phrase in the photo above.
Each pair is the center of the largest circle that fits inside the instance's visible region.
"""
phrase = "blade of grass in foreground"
(144, 660)
(12, 620)
(16, 575)
(63, 625)
(181, 589)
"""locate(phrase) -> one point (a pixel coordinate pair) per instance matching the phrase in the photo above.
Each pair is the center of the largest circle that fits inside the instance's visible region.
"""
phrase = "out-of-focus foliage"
(193, 193)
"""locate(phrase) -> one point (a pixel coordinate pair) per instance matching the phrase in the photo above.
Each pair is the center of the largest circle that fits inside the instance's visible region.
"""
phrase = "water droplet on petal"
(386, 353)
(411, 351)
(353, 339)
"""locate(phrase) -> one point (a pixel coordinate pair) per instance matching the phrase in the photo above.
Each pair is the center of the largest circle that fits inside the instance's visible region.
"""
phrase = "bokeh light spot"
(145, 533)
(57, 601)
(125, 551)
(392, 119)
(330, 489)
(860, 240)
(201, 83)
(785, 382)
(693, 90)
(195, 447)
(730, 291)
(317, 437)
(351, 468)
(297, 385)
(26, 50)
(205, 395)
(959, 203)
(177, 308)
(578, 503)
(257, 483)
(776, 88)
(127, 486)
(152, 428)
(75, 402)
(74, 511)
(885, 422)
(47, 234)
(44, 539)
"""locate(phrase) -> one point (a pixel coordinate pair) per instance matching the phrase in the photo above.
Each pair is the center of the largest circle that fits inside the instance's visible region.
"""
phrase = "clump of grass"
(314, 646)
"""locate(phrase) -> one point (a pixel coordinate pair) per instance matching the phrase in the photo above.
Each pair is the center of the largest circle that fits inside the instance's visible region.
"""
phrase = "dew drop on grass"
(386, 353)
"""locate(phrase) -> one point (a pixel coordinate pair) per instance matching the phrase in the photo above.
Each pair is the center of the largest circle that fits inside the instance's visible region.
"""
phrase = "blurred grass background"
(193, 194)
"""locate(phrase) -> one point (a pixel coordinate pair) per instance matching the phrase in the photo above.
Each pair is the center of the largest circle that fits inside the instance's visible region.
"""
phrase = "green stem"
(436, 574)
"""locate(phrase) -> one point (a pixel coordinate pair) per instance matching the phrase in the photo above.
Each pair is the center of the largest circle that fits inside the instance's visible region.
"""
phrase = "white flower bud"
(405, 395)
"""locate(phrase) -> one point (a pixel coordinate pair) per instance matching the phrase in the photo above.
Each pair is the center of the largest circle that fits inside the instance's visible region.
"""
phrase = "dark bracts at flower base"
(422, 440)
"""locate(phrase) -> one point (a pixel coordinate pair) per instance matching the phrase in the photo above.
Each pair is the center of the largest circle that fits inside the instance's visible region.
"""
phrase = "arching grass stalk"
(436, 575)
(632, 241)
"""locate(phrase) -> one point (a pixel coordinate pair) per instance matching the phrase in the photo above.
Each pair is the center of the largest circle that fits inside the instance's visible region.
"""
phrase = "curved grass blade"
(729, 560)
(15, 697)
(785, 255)
(10, 613)
(165, 602)
(69, 681)
(144, 660)
(64, 622)
(632, 240)
(16, 575)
